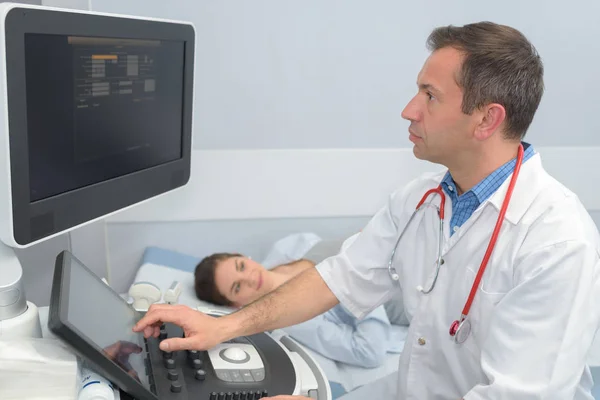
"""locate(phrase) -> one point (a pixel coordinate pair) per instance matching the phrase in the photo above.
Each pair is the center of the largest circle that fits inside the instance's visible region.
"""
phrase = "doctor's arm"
(543, 328)
(298, 300)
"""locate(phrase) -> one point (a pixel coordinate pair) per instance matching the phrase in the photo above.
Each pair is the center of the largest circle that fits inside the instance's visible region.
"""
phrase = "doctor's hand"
(201, 331)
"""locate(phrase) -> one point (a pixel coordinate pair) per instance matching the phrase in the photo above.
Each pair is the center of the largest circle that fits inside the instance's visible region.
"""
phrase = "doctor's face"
(241, 280)
(439, 130)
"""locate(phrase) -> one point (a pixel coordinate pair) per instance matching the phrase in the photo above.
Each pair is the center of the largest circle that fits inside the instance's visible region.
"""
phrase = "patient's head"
(231, 279)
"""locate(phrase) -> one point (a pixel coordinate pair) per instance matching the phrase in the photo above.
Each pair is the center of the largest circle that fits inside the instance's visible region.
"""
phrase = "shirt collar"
(490, 184)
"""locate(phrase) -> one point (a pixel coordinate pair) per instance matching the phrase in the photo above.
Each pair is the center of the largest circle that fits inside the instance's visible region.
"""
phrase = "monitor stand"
(18, 317)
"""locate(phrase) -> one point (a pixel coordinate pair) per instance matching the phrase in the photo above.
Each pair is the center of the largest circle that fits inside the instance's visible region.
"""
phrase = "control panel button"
(236, 376)
(224, 375)
(258, 374)
(167, 354)
(247, 376)
(229, 396)
(213, 396)
(173, 375)
(265, 394)
(163, 332)
(236, 395)
(200, 374)
(151, 379)
(197, 364)
(175, 387)
(221, 396)
(170, 363)
(147, 366)
(194, 354)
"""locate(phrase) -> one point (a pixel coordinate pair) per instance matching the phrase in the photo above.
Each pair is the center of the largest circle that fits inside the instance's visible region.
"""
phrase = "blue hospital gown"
(338, 335)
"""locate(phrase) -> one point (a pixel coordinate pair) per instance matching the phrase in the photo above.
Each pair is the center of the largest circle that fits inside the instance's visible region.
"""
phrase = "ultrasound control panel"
(244, 368)
(97, 323)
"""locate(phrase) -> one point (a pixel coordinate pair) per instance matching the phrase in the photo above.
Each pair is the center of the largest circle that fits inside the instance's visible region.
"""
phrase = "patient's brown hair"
(204, 279)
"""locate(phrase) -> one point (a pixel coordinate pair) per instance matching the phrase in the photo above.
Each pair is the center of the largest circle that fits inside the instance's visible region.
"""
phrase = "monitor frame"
(83, 346)
(22, 222)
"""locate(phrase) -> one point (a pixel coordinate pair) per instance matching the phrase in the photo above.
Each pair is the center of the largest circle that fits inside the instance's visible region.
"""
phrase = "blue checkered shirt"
(463, 206)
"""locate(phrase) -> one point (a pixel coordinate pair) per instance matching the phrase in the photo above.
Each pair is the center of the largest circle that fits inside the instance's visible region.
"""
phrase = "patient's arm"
(364, 343)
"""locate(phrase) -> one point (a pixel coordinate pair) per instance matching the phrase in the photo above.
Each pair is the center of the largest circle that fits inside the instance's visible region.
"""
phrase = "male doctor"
(527, 324)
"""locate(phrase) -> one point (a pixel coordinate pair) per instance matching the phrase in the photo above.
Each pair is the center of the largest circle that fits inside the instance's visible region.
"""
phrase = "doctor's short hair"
(500, 66)
(204, 279)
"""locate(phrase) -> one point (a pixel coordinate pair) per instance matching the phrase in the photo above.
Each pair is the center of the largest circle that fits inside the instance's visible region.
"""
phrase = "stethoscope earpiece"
(420, 288)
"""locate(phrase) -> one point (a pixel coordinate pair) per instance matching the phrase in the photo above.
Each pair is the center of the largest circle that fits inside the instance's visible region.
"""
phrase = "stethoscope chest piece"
(460, 330)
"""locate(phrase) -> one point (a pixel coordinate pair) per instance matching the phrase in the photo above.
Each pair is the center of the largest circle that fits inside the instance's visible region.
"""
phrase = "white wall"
(337, 73)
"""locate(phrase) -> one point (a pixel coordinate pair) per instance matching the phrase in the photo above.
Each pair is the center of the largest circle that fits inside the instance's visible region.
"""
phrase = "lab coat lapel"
(523, 194)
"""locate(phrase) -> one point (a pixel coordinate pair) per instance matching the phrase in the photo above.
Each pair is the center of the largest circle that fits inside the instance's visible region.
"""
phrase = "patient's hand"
(201, 331)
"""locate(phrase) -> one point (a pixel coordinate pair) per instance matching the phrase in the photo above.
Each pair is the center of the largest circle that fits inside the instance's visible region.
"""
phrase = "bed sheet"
(161, 267)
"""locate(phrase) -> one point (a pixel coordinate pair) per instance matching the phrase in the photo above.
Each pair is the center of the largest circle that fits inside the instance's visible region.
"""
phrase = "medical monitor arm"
(18, 317)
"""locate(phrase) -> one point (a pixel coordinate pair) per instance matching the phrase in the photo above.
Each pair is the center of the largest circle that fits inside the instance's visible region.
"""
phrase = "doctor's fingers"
(201, 332)
(177, 344)
(159, 313)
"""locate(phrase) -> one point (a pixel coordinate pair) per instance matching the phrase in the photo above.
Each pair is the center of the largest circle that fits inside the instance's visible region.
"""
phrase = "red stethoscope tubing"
(456, 324)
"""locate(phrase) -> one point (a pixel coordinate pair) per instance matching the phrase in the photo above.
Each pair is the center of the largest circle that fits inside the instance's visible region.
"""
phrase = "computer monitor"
(96, 116)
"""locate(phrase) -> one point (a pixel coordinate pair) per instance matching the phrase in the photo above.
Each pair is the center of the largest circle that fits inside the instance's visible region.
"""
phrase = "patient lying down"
(234, 280)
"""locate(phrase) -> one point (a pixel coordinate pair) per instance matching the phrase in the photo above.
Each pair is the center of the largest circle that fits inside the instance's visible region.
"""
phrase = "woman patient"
(234, 280)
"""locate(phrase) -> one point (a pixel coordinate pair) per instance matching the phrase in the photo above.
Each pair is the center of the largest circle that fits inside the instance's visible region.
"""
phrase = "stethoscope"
(460, 328)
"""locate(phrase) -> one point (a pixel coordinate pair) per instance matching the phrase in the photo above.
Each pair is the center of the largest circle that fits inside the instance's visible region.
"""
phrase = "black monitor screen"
(100, 108)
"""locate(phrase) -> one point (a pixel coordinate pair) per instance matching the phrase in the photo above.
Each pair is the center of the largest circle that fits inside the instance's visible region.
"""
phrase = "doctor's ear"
(491, 118)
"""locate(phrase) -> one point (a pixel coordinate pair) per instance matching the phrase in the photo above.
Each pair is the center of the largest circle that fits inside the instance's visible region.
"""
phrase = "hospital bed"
(162, 267)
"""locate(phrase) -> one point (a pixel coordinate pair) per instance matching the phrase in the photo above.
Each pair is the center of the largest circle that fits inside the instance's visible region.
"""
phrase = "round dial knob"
(197, 364)
(173, 375)
(200, 375)
(175, 387)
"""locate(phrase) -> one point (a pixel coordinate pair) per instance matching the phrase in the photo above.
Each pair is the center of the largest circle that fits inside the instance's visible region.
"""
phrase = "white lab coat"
(534, 315)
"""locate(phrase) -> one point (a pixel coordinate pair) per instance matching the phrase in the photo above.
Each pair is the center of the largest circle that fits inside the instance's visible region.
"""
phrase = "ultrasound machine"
(96, 115)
